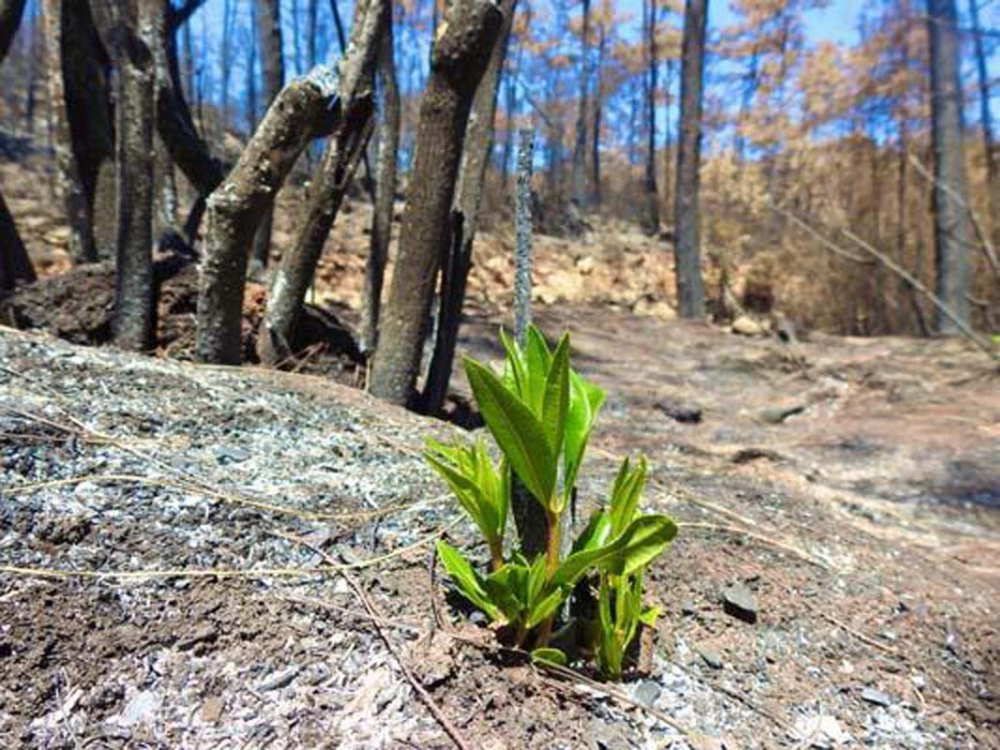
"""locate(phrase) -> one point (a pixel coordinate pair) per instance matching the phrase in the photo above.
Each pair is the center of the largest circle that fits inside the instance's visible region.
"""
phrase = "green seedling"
(540, 414)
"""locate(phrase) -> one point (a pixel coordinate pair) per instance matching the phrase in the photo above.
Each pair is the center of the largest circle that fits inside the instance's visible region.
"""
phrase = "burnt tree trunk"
(11, 12)
(15, 266)
(595, 135)
(687, 250)
(649, 182)
(82, 248)
(134, 325)
(986, 121)
(301, 112)
(579, 167)
(951, 232)
(458, 60)
(457, 262)
(329, 185)
(174, 123)
(269, 31)
(385, 194)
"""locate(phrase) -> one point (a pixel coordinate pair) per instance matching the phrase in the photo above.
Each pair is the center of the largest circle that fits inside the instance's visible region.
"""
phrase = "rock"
(710, 657)
(647, 692)
(778, 414)
(738, 601)
(876, 697)
(231, 455)
(744, 325)
(821, 732)
(679, 411)
(279, 679)
(140, 709)
(585, 265)
(211, 709)
(688, 607)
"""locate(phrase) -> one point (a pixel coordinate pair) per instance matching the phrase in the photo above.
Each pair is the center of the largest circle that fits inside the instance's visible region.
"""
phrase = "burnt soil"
(851, 486)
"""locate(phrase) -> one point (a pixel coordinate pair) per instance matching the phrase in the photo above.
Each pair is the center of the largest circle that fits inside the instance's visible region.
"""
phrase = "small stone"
(211, 709)
(778, 414)
(823, 732)
(228, 454)
(688, 607)
(738, 601)
(647, 692)
(679, 411)
(744, 325)
(478, 618)
(280, 679)
(710, 657)
(876, 697)
(140, 709)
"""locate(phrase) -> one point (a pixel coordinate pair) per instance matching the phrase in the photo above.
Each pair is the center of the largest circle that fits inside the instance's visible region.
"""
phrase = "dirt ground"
(850, 487)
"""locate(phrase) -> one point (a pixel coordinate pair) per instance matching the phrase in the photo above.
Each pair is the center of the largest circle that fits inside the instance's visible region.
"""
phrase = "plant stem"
(551, 565)
(496, 555)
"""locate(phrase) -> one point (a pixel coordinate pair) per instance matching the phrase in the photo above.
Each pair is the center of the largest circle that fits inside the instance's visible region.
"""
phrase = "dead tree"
(986, 122)
(579, 174)
(134, 319)
(385, 193)
(82, 248)
(457, 262)
(305, 109)
(15, 265)
(951, 231)
(458, 60)
(652, 219)
(329, 185)
(687, 251)
(11, 12)
(269, 32)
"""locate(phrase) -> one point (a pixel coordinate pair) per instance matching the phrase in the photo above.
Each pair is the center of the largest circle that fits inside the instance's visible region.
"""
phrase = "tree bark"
(652, 196)
(301, 112)
(11, 12)
(174, 123)
(595, 135)
(134, 325)
(687, 251)
(457, 262)
(269, 31)
(951, 232)
(458, 60)
(329, 185)
(986, 121)
(82, 248)
(579, 173)
(385, 194)
(15, 265)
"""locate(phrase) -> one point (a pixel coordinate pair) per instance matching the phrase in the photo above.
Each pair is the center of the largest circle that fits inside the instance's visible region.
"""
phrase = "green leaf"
(506, 590)
(549, 655)
(516, 430)
(585, 401)
(596, 534)
(469, 583)
(556, 400)
(546, 606)
(649, 615)
(538, 360)
(515, 364)
(626, 493)
(643, 540)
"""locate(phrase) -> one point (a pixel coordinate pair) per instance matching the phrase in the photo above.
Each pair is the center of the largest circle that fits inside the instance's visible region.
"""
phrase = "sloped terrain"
(166, 532)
